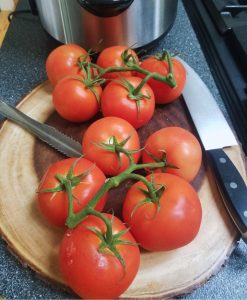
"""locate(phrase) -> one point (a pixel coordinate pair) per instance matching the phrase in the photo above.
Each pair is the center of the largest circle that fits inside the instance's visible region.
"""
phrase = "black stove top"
(221, 27)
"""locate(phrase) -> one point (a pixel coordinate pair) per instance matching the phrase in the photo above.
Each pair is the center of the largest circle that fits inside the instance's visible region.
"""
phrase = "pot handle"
(105, 8)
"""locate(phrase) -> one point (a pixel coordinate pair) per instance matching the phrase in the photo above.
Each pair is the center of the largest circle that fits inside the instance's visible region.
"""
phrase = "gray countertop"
(22, 61)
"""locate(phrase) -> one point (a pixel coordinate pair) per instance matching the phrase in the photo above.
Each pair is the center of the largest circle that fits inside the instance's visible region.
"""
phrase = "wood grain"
(4, 22)
(23, 161)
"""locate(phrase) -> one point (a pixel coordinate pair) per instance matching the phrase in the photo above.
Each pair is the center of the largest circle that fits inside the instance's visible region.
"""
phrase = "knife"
(215, 135)
(46, 133)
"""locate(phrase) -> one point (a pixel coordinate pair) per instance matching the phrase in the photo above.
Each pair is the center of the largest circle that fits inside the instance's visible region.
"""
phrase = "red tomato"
(163, 92)
(174, 225)
(103, 131)
(74, 101)
(117, 101)
(180, 147)
(54, 205)
(92, 273)
(62, 61)
(111, 57)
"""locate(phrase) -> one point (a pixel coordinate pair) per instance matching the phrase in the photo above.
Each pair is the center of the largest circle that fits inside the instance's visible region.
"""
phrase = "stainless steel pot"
(98, 24)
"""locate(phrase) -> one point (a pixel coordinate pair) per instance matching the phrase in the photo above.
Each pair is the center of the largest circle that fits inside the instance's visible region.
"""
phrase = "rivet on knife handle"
(232, 188)
(46, 133)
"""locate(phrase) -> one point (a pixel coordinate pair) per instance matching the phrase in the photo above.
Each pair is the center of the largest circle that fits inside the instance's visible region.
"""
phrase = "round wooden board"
(23, 161)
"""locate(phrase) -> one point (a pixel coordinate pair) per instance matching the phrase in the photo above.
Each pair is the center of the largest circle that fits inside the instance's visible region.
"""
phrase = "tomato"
(62, 61)
(105, 130)
(163, 92)
(118, 101)
(174, 224)
(180, 147)
(74, 101)
(54, 205)
(92, 273)
(111, 57)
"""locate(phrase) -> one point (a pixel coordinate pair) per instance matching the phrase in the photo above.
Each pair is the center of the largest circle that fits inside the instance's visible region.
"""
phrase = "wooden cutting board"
(23, 161)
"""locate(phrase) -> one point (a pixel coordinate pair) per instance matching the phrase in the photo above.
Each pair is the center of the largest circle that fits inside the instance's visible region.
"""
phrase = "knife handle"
(232, 187)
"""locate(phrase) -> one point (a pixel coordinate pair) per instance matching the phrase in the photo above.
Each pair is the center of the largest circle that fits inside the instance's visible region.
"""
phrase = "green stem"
(74, 219)
(105, 220)
(142, 83)
(169, 63)
(115, 69)
(150, 165)
(128, 154)
(166, 79)
(148, 184)
(170, 81)
(68, 188)
(95, 66)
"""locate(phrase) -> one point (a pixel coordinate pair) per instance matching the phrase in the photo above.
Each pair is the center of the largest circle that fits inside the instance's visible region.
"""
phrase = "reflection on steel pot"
(98, 24)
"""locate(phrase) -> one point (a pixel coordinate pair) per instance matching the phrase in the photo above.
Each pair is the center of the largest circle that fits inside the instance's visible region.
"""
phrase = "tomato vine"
(132, 65)
(75, 218)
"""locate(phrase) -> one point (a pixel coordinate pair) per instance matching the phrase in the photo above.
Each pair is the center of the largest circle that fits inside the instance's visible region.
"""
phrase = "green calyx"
(134, 93)
(115, 146)
(162, 159)
(83, 58)
(152, 195)
(162, 56)
(165, 56)
(91, 81)
(128, 59)
(69, 178)
(108, 240)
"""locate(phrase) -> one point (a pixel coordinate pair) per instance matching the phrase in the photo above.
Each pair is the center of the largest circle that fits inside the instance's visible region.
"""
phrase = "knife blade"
(215, 135)
(61, 142)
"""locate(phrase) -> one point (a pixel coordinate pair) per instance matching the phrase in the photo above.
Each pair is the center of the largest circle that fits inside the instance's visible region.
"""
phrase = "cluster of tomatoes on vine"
(100, 254)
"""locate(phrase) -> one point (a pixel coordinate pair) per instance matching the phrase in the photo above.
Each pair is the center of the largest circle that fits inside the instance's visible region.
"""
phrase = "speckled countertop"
(22, 59)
